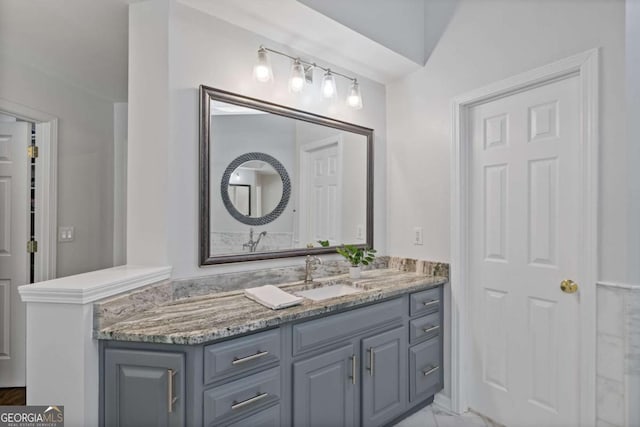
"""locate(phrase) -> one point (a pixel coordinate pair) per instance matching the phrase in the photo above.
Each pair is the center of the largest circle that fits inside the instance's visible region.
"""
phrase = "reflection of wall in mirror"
(236, 134)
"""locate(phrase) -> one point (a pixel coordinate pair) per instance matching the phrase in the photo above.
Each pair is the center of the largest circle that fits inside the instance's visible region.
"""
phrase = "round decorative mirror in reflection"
(255, 188)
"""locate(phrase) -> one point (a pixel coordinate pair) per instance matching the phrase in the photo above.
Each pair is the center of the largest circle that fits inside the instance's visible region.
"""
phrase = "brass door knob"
(569, 286)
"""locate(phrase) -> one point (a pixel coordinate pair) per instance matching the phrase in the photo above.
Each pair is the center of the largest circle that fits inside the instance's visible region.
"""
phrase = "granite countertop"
(224, 314)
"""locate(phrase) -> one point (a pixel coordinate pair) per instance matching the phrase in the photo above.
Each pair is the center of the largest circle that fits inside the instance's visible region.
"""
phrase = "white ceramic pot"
(354, 272)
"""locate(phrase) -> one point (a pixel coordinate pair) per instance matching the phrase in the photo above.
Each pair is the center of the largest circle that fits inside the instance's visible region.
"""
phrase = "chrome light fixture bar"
(302, 73)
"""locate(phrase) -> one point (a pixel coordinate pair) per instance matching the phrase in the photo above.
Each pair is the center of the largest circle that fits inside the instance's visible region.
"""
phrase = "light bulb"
(262, 70)
(296, 80)
(354, 99)
(328, 85)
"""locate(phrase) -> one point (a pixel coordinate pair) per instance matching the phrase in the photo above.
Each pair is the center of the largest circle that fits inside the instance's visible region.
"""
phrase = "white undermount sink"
(328, 291)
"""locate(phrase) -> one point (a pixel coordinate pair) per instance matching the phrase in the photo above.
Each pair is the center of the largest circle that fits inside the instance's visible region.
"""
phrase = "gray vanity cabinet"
(325, 389)
(144, 388)
(364, 367)
(384, 380)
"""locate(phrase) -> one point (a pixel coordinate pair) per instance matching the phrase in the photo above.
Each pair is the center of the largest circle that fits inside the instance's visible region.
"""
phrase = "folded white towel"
(272, 297)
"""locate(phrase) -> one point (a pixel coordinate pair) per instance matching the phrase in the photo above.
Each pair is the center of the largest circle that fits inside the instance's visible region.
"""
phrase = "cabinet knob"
(170, 398)
(353, 369)
(371, 361)
(237, 405)
(239, 360)
(430, 371)
(430, 303)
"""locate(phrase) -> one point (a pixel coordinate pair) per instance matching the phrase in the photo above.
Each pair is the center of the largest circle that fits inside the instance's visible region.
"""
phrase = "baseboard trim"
(444, 402)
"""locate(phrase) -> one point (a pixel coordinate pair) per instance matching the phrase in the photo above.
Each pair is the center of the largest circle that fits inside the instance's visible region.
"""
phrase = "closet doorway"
(28, 153)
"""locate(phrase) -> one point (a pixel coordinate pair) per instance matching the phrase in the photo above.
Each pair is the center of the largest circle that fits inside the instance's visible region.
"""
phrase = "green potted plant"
(357, 257)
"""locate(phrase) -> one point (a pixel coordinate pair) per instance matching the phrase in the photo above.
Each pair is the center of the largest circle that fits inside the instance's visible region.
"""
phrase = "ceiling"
(304, 29)
(84, 42)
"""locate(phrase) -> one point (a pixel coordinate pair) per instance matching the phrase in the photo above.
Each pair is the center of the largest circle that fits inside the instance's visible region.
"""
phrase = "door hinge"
(32, 151)
(32, 246)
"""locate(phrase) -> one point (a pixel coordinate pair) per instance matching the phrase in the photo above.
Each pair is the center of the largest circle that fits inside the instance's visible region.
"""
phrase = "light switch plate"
(417, 236)
(66, 234)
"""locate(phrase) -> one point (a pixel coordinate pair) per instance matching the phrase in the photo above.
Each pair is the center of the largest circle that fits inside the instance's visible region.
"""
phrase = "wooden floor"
(13, 396)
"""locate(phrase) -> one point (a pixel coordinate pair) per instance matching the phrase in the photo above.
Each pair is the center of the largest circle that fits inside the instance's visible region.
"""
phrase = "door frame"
(46, 185)
(583, 66)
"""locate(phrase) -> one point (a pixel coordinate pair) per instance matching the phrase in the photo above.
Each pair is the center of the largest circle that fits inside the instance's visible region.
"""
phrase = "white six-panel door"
(523, 241)
(321, 197)
(14, 138)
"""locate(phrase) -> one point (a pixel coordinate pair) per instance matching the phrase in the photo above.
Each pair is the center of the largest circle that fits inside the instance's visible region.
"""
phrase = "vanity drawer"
(241, 396)
(425, 369)
(318, 333)
(425, 302)
(241, 355)
(269, 417)
(424, 328)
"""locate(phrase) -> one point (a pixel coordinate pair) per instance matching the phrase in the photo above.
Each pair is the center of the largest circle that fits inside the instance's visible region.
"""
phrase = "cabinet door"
(139, 386)
(324, 389)
(384, 377)
(425, 370)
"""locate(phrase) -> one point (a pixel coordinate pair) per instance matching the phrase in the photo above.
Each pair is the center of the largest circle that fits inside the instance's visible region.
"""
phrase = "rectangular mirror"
(278, 182)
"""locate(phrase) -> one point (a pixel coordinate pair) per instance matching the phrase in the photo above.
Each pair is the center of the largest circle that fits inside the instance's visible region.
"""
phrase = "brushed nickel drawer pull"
(430, 329)
(371, 361)
(430, 303)
(249, 401)
(170, 399)
(353, 369)
(430, 371)
(237, 361)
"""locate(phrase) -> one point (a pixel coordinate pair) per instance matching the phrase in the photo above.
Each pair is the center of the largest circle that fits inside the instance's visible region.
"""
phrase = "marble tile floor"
(433, 416)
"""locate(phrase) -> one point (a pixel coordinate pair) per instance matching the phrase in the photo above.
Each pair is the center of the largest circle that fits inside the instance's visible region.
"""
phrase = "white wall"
(163, 222)
(486, 42)
(148, 131)
(633, 126)
(85, 160)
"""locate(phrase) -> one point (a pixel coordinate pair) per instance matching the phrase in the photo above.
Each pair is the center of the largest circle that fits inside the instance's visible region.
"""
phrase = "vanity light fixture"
(262, 70)
(328, 85)
(354, 99)
(302, 73)
(296, 81)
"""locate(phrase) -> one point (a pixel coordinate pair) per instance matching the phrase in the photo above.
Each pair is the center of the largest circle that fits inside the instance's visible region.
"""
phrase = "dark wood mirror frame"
(208, 94)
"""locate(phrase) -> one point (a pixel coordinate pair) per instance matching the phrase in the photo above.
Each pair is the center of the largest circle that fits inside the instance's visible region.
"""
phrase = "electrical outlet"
(417, 236)
(360, 232)
(66, 234)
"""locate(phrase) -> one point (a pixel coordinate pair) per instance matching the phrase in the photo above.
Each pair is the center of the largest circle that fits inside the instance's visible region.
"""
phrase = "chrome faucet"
(253, 244)
(309, 264)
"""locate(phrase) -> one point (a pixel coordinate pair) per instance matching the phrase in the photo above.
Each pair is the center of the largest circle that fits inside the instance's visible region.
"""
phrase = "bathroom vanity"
(368, 358)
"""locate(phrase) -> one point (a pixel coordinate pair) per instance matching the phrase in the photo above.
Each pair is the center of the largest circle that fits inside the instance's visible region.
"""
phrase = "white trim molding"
(620, 285)
(93, 286)
(584, 66)
(46, 185)
(62, 356)
(120, 183)
(444, 402)
(46, 230)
